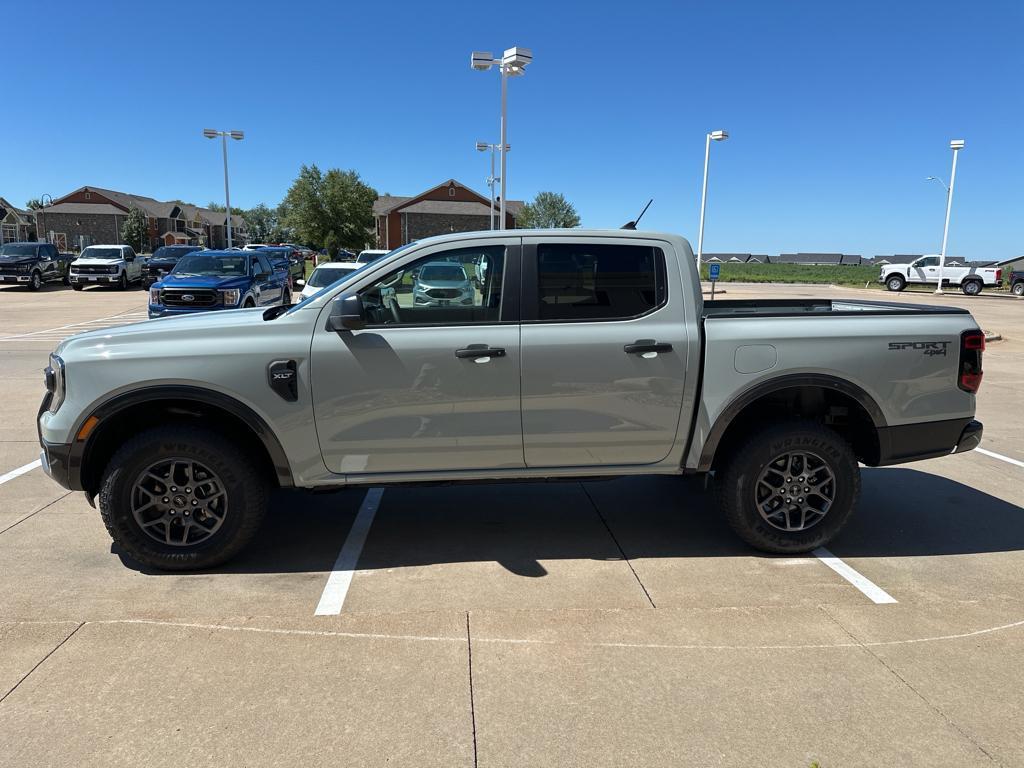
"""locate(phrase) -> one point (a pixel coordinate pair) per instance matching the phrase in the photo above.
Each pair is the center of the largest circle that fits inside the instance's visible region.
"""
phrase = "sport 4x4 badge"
(929, 348)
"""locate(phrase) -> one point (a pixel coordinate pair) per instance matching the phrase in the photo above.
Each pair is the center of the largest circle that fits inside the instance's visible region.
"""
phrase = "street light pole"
(513, 63)
(210, 133)
(483, 146)
(713, 136)
(956, 145)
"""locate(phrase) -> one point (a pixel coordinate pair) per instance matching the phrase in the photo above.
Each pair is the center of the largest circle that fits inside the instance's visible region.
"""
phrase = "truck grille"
(188, 297)
(11, 270)
(444, 293)
(93, 269)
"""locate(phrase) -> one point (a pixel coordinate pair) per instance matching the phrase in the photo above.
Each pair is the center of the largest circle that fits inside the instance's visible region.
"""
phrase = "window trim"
(530, 301)
(511, 290)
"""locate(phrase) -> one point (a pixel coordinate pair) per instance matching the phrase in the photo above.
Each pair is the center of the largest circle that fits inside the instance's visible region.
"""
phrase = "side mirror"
(300, 282)
(347, 314)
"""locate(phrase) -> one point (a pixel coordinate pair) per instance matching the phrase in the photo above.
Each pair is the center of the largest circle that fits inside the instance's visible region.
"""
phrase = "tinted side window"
(262, 260)
(598, 282)
(455, 287)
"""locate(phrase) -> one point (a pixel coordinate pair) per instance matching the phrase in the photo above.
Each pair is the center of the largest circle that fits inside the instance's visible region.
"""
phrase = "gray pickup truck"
(578, 354)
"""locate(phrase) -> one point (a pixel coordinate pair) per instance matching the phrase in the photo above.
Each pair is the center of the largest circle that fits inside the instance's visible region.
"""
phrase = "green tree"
(34, 204)
(220, 209)
(548, 210)
(329, 210)
(134, 229)
(264, 224)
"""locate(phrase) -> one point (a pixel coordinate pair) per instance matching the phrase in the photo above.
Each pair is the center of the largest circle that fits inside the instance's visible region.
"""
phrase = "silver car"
(441, 284)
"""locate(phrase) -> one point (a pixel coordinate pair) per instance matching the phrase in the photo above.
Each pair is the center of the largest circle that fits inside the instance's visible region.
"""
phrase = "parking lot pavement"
(597, 623)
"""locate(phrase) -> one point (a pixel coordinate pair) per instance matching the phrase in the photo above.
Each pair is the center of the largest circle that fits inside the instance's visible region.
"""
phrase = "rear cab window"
(595, 282)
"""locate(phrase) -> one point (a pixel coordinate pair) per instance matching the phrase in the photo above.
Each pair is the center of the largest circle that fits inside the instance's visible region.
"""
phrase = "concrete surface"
(605, 623)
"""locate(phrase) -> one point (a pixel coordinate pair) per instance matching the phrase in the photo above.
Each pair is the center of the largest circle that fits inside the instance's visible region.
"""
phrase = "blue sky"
(837, 111)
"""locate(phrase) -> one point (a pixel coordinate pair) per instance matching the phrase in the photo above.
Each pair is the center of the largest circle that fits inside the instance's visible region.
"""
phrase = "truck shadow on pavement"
(902, 513)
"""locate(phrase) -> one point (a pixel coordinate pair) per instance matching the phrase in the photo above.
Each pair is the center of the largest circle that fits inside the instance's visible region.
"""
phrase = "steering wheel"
(392, 303)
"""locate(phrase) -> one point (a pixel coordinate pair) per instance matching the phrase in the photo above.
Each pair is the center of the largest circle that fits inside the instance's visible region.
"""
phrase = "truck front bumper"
(162, 311)
(94, 279)
(14, 278)
(914, 442)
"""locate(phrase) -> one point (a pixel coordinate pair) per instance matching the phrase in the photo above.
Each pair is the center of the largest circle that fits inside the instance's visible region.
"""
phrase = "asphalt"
(594, 624)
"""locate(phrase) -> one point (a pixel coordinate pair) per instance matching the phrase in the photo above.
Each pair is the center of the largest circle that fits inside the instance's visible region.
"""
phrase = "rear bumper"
(914, 442)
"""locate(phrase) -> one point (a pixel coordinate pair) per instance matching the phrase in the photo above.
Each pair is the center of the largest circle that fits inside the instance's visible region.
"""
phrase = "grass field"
(794, 273)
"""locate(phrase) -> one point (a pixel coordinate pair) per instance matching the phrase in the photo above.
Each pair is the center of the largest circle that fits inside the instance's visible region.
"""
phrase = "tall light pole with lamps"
(483, 146)
(513, 64)
(210, 133)
(956, 145)
(713, 136)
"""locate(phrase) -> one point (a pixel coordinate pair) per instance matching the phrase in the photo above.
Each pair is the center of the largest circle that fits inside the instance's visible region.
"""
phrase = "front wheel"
(895, 283)
(181, 498)
(35, 282)
(122, 283)
(970, 287)
(790, 488)
(1018, 289)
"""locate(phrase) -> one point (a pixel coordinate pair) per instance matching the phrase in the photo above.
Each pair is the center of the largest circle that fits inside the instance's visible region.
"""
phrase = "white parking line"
(20, 471)
(999, 456)
(333, 598)
(860, 581)
(63, 331)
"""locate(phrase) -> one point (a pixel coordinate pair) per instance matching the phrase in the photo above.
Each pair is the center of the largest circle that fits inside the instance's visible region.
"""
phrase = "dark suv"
(163, 260)
(1017, 283)
(32, 264)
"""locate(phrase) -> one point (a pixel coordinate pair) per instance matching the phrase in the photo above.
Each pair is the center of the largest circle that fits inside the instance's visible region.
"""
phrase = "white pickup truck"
(925, 271)
(106, 265)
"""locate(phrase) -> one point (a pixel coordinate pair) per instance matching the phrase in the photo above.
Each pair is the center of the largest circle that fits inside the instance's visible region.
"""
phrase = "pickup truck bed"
(831, 307)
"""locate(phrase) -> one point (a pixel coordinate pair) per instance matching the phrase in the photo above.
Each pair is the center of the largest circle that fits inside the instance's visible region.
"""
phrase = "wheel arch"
(129, 412)
(838, 403)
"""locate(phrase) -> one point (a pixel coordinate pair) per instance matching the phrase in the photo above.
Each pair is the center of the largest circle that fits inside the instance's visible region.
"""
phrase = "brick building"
(94, 215)
(448, 207)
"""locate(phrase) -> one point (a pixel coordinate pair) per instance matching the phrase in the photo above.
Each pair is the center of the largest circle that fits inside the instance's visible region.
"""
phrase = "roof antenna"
(632, 224)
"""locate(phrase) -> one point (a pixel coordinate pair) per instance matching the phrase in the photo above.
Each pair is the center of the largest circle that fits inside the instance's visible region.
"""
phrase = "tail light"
(999, 275)
(972, 344)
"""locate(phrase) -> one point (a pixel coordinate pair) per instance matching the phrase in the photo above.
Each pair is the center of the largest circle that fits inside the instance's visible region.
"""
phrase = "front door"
(432, 382)
(604, 351)
(268, 286)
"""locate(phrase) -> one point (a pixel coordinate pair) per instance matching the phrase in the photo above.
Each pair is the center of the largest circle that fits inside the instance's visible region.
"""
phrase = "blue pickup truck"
(209, 280)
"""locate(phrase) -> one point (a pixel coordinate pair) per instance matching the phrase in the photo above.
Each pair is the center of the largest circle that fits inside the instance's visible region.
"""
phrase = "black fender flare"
(759, 390)
(201, 395)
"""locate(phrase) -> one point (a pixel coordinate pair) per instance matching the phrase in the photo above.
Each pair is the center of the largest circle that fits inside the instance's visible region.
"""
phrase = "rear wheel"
(181, 498)
(1018, 288)
(790, 488)
(971, 287)
(895, 283)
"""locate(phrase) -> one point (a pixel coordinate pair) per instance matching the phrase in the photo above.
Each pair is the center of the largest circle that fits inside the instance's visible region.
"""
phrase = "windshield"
(324, 276)
(7, 251)
(212, 266)
(453, 273)
(92, 252)
(369, 256)
(172, 252)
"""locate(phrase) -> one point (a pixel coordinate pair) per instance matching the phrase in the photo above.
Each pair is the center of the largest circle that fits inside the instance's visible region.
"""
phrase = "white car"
(106, 265)
(925, 270)
(326, 274)
(255, 246)
(441, 284)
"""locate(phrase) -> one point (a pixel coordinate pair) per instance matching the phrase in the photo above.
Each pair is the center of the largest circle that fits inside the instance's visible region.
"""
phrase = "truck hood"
(203, 281)
(17, 261)
(182, 327)
(96, 262)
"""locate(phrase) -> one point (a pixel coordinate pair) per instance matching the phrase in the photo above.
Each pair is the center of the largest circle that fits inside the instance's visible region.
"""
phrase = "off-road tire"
(895, 283)
(246, 492)
(971, 287)
(735, 485)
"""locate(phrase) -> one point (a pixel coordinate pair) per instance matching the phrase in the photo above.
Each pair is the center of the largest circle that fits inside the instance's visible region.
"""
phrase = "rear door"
(433, 381)
(604, 351)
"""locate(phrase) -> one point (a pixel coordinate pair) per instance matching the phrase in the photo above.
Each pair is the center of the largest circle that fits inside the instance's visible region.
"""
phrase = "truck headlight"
(154, 295)
(25, 268)
(56, 382)
(113, 270)
(231, 296)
